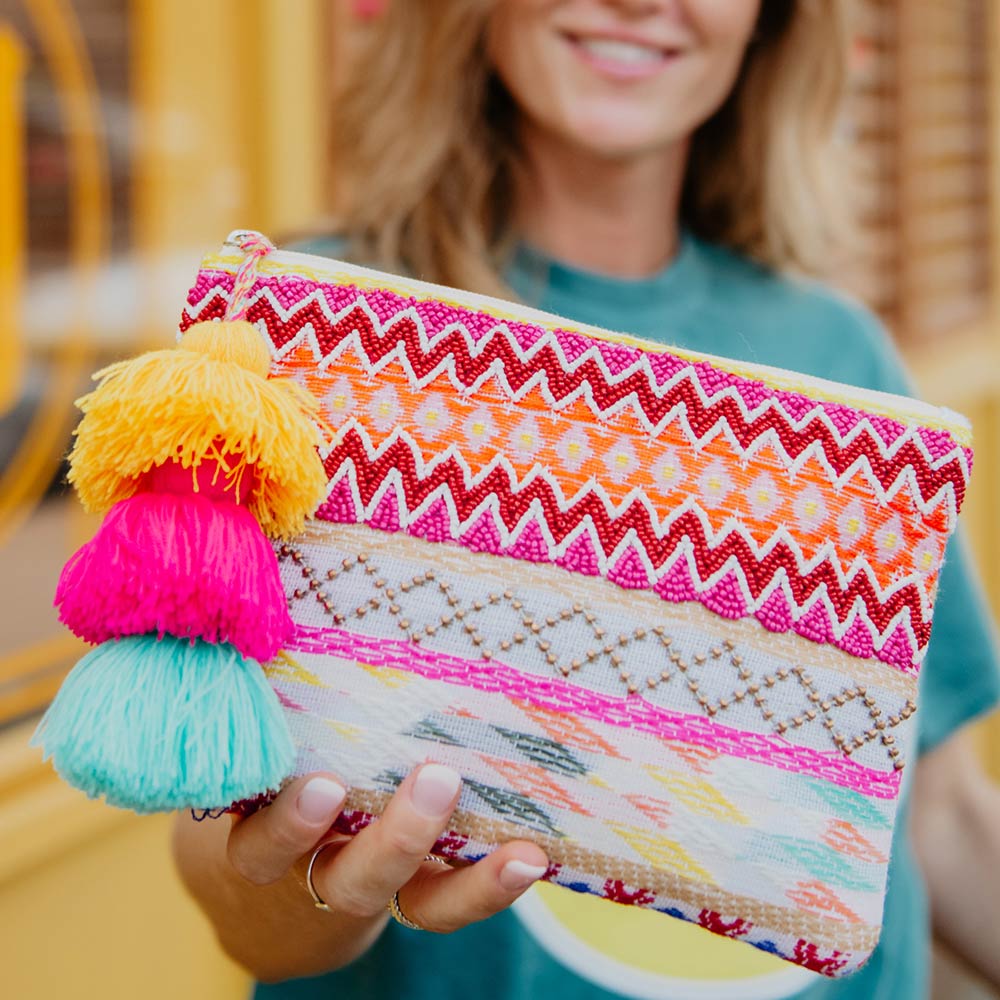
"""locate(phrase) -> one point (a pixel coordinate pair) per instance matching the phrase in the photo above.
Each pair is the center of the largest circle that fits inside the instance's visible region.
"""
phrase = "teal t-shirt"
(713, 301)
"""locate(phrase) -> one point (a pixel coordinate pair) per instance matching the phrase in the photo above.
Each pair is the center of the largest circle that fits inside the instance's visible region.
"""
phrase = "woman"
(646, 165)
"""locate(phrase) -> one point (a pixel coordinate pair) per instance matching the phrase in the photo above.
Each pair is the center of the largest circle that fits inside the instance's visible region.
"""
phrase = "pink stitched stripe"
(630, 713)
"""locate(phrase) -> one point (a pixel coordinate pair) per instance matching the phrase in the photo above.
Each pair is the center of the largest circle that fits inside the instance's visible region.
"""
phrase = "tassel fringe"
(156, 725)
(191, 407)
(179, 565)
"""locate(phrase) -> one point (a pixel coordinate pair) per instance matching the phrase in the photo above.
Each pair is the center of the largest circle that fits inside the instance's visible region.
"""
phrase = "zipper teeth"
(855, 396)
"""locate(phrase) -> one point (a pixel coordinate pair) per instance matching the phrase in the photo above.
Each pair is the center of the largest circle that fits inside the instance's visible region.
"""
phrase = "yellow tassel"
(238, 343)
(206, 400)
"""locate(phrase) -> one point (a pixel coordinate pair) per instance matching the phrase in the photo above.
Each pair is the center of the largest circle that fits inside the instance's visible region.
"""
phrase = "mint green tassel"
(155, 725)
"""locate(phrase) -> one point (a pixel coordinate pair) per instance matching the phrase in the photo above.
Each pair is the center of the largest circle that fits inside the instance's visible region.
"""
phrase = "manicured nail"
(434, 789)
(319, 800)
(517, 875)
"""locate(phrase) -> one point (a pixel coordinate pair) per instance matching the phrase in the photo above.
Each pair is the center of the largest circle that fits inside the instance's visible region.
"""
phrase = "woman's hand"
(250, 880)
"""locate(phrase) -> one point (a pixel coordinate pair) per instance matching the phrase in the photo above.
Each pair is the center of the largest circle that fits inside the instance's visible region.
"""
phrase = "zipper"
(900, 408)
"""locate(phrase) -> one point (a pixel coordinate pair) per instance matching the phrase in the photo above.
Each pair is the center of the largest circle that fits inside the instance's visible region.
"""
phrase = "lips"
(620, 57)
(627, 53)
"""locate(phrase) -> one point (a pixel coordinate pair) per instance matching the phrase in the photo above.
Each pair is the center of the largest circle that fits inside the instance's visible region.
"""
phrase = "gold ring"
(318, 900)
(393, 905)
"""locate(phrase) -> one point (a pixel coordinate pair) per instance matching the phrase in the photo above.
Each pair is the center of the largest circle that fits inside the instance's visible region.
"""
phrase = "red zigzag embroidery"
(561, 384)
(513, 506)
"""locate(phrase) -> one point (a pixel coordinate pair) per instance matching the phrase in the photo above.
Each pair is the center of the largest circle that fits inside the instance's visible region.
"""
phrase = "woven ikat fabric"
(664, 612)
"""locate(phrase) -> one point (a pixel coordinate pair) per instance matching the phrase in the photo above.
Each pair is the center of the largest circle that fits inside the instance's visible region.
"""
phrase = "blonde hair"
(425, 161)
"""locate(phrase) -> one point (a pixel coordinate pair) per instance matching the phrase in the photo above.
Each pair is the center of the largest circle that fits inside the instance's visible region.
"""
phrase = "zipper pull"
(241, 239)
(255, 246)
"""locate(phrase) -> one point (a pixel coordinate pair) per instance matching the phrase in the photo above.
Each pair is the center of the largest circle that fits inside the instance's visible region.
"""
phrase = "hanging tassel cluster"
(194, 456)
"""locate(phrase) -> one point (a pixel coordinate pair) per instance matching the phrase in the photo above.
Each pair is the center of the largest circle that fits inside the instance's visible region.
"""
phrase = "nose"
(641, 7)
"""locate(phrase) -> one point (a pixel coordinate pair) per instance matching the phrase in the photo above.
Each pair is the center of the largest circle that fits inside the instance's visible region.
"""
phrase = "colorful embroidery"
(664, 612)
(840, 466)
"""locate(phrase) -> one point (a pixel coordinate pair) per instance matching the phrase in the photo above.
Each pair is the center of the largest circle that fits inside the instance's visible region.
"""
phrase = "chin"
(618, 135)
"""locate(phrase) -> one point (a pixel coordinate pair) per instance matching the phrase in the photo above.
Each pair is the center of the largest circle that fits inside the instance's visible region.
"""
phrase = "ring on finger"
(393, 905)
(318, 900)
(437, 860)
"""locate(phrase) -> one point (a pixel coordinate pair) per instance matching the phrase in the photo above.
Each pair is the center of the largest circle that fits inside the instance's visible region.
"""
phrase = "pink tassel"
(177, 562)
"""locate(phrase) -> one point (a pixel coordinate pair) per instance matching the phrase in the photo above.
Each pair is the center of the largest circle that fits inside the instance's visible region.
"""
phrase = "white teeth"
(623, 52)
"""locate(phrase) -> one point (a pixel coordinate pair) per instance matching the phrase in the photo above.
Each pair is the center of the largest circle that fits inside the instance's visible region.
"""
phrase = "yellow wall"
(12, 66)
(89, 904)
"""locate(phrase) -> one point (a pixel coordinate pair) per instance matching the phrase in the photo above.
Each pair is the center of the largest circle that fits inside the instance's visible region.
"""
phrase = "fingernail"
(320, 799)
(434, 789)
(519, 875)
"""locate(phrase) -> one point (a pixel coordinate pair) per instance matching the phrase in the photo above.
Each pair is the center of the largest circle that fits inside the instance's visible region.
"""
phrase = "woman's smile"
(619, 80)
(619, 57)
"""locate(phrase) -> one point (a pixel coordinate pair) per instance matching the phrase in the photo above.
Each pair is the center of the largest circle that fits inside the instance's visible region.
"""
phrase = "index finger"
(264, 846)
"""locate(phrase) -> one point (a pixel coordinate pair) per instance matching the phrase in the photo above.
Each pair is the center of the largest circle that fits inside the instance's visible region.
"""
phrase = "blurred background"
(134, 135)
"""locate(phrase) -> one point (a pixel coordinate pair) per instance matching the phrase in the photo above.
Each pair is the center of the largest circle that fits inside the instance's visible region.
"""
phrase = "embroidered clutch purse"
(664, 612)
